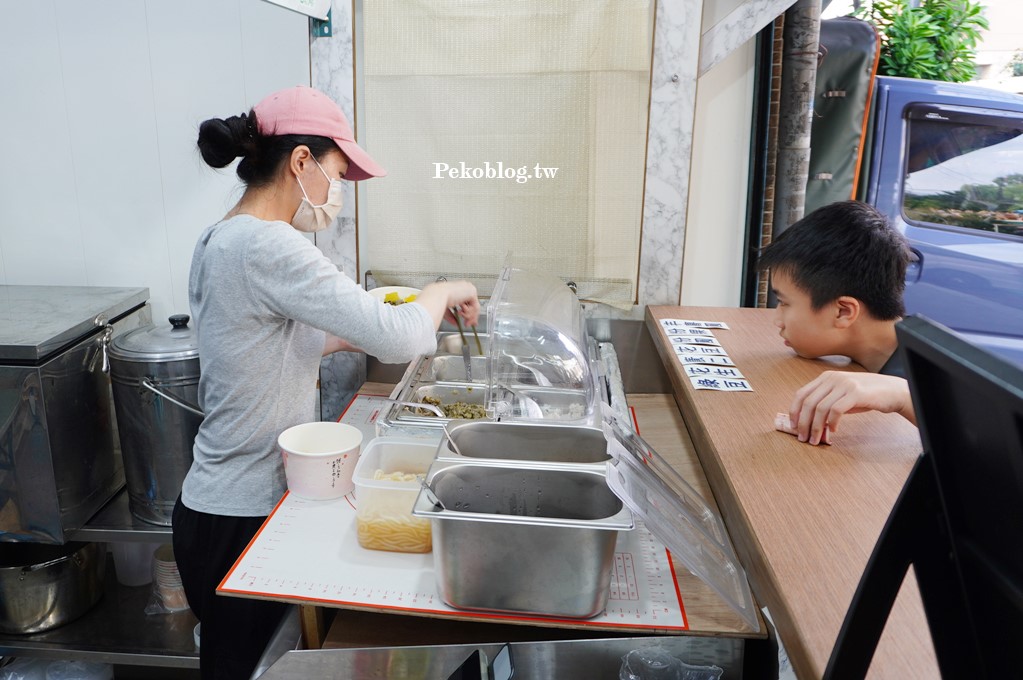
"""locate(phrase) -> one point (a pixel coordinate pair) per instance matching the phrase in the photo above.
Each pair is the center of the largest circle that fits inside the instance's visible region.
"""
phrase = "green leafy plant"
(1015, 65)
(936, 40)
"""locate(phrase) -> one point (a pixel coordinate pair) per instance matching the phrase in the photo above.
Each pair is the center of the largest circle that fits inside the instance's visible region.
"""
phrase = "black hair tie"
(250, 126)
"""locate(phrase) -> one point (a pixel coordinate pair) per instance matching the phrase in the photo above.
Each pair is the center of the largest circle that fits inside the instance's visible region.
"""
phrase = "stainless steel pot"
(45, 586)
(155, 376)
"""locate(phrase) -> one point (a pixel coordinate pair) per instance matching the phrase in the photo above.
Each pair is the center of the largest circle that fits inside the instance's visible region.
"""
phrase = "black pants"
(234, 631)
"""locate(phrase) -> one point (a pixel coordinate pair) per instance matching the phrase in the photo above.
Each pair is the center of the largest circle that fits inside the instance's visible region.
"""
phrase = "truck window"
(965, 171)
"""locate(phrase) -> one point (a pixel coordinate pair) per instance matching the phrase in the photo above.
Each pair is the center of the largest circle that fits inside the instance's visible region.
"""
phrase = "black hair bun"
(222, 140)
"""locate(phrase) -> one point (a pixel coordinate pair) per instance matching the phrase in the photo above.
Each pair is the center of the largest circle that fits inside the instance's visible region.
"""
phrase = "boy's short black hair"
(845, 248)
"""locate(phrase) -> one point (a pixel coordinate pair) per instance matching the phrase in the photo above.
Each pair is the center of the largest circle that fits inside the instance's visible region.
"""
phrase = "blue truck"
(945, 163)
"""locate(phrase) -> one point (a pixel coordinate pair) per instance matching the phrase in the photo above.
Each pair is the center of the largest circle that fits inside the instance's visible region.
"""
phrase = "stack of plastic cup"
(133, 562)
(167, 580)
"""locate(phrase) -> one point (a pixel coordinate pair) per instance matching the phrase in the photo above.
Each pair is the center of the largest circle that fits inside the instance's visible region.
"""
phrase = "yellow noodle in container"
(386, 485)
(394, 533)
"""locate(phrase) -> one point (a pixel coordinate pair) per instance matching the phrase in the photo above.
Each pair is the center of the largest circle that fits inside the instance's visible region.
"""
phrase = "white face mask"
(311, 217)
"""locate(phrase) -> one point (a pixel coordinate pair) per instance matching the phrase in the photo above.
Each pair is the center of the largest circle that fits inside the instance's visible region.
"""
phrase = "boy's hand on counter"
(782, 423)
(822, 402)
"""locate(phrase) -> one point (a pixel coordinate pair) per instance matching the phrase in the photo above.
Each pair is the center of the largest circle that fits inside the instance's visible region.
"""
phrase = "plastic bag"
(166, 600)
(24, 669)
(655, 663)
(79, 670)
(699, 672)
(168, 595)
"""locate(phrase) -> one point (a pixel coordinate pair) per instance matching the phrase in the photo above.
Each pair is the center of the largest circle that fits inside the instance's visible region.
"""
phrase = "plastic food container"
(540, 363)
(320, 458)
(383, 512)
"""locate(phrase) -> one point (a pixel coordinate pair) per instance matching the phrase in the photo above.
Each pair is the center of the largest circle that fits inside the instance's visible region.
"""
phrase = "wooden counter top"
(804, 519)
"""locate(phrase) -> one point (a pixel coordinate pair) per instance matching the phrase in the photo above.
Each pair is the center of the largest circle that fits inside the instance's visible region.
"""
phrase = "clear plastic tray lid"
(676, 514)
(538, 366)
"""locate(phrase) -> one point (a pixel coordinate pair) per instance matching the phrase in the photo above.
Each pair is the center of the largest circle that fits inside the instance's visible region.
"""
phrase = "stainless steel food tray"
(525, 539)
(553, 443)
(524, 394)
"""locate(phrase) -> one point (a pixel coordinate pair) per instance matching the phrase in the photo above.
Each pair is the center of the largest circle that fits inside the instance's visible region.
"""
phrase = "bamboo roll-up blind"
(509, 90)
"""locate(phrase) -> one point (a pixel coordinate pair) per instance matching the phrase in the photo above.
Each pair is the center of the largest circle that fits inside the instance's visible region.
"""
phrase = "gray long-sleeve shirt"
(262, 296)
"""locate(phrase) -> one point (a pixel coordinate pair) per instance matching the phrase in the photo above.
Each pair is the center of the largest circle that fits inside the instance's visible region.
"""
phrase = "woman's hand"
(823, 401)
(443, 297)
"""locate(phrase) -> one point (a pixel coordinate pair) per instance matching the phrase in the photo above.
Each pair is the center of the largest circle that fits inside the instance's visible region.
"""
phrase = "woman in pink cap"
(267, 306)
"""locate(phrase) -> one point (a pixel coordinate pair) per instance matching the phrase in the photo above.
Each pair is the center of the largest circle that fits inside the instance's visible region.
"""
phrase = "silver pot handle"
(42, 565)
(191, 408)
(75, 557)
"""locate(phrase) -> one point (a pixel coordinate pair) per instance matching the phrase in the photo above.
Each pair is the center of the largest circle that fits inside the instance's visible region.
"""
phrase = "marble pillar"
(332, 71)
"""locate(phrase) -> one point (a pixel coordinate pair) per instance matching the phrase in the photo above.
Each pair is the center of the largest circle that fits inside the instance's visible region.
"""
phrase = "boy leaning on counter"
(839, 275)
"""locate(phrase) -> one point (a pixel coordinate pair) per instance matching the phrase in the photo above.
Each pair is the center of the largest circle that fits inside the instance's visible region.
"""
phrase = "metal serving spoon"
(465, 346)
(416, 404)
(430, 495)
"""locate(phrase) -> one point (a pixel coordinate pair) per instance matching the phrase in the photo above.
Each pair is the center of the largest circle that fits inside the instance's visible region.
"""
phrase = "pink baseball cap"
(303, 110)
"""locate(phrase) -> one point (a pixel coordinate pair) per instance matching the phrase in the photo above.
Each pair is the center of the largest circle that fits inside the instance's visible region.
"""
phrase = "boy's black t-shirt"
(894, 366)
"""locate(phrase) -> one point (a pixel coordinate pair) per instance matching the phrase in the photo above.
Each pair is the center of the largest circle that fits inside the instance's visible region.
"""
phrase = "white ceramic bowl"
(402, 291)
(319, 459)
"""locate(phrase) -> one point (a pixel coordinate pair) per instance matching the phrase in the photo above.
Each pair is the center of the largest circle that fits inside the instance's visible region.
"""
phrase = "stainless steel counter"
(59, 458)
(559, 659)
(117, 630)
(115, 523)
(38, 320)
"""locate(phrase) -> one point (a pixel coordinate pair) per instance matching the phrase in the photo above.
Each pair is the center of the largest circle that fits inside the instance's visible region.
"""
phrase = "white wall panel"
(206, 69)
(715, 237)
(275, 48)
(108, 187)
(107, 82)
(195, 76)
(40, 230)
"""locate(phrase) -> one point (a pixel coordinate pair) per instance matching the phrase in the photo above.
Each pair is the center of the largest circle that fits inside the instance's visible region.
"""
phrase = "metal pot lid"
(165, 342)
(676, 514)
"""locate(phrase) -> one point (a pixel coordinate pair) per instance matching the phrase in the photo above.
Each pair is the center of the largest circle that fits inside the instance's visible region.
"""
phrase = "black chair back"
(959, 519)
